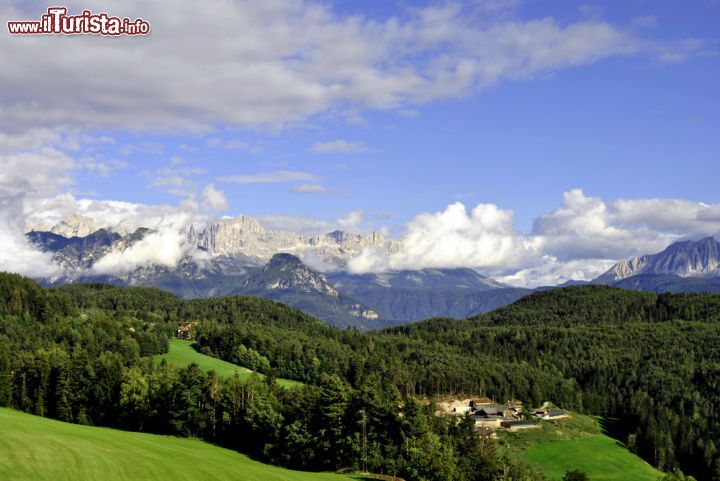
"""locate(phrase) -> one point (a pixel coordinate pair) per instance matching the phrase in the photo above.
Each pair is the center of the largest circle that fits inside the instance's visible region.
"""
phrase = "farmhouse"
(547, 412)
(490, 416)
(493, 415)
(184, 332)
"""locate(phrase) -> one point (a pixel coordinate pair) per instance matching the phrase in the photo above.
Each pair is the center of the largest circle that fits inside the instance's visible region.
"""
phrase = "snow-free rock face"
(74, 225)
(685, 259)
(245, 235)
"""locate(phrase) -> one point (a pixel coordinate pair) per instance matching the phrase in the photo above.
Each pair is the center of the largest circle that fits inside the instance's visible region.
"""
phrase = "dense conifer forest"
(647, 363)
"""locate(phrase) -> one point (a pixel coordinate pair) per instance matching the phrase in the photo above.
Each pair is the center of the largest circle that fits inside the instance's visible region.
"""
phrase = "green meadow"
(579, 443)
(181, 353)
(38, 449)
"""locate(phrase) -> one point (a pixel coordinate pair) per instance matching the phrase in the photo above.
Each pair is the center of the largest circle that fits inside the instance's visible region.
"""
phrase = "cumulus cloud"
(338, 147)
(46, 170)
(16, 253)
(281, 60)
(577, 241)
(483, 238)
(123, 217)
(214, 200)
(165, 246)
(552, 272)
(591, 227)
(352, 219)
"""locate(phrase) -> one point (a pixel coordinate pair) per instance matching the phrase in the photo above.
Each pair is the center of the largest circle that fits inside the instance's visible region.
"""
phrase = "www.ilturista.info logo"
(57, 22)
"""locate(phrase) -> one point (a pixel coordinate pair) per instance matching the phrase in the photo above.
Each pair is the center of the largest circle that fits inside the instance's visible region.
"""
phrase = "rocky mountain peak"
(284, 260)
(245, 235)
(684, 258)
(74, 225)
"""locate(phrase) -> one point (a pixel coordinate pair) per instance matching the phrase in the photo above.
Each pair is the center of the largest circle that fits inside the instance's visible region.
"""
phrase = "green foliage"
(575, 475)
(648, 362)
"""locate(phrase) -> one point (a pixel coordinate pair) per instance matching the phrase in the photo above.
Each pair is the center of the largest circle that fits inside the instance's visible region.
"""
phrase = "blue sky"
(628, 127)
(303, 113)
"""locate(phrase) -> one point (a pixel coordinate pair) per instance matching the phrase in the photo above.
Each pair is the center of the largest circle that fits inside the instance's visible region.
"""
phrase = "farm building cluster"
(513, 415)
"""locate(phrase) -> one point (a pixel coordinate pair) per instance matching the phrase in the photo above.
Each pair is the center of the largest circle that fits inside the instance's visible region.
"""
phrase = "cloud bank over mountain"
(579, 240)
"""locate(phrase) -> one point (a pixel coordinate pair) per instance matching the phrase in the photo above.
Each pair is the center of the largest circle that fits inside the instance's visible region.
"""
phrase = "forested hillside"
(649, 362)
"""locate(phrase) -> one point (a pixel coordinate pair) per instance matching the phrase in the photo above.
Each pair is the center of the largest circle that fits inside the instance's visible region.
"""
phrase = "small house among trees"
(184, 331)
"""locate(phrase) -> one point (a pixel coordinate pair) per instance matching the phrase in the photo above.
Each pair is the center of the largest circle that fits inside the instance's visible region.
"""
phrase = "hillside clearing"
(181, 353)
(601, 457)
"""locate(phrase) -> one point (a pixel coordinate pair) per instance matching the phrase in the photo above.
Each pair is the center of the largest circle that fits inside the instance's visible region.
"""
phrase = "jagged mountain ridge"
(246, 235)
(683, 259)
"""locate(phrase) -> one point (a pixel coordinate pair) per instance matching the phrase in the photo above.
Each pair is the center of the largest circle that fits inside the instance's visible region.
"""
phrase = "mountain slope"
(38, 449)
(286, 279)
(419, 279)
(667, 283)
(414, 295)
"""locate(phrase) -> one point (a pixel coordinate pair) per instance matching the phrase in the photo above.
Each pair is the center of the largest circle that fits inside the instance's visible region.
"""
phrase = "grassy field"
(181, 353)
(600, 457)
(578, 442)
(38, 449)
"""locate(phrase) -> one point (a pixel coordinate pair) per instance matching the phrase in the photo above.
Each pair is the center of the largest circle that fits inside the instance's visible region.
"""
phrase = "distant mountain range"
(685, 266)
(365, 301)
(244, 258)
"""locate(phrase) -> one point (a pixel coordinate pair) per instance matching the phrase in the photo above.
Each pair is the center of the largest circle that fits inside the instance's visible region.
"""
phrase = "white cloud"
(552, 272)
(352, 219)
(166, 246)
(578, 241)
(308, 189)
(16, 253)
(214, 200)
(484, 238)
(590, 227)
(43, 172)
(277, 61)
(124, 217)
(339, 147)
(269, 177)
